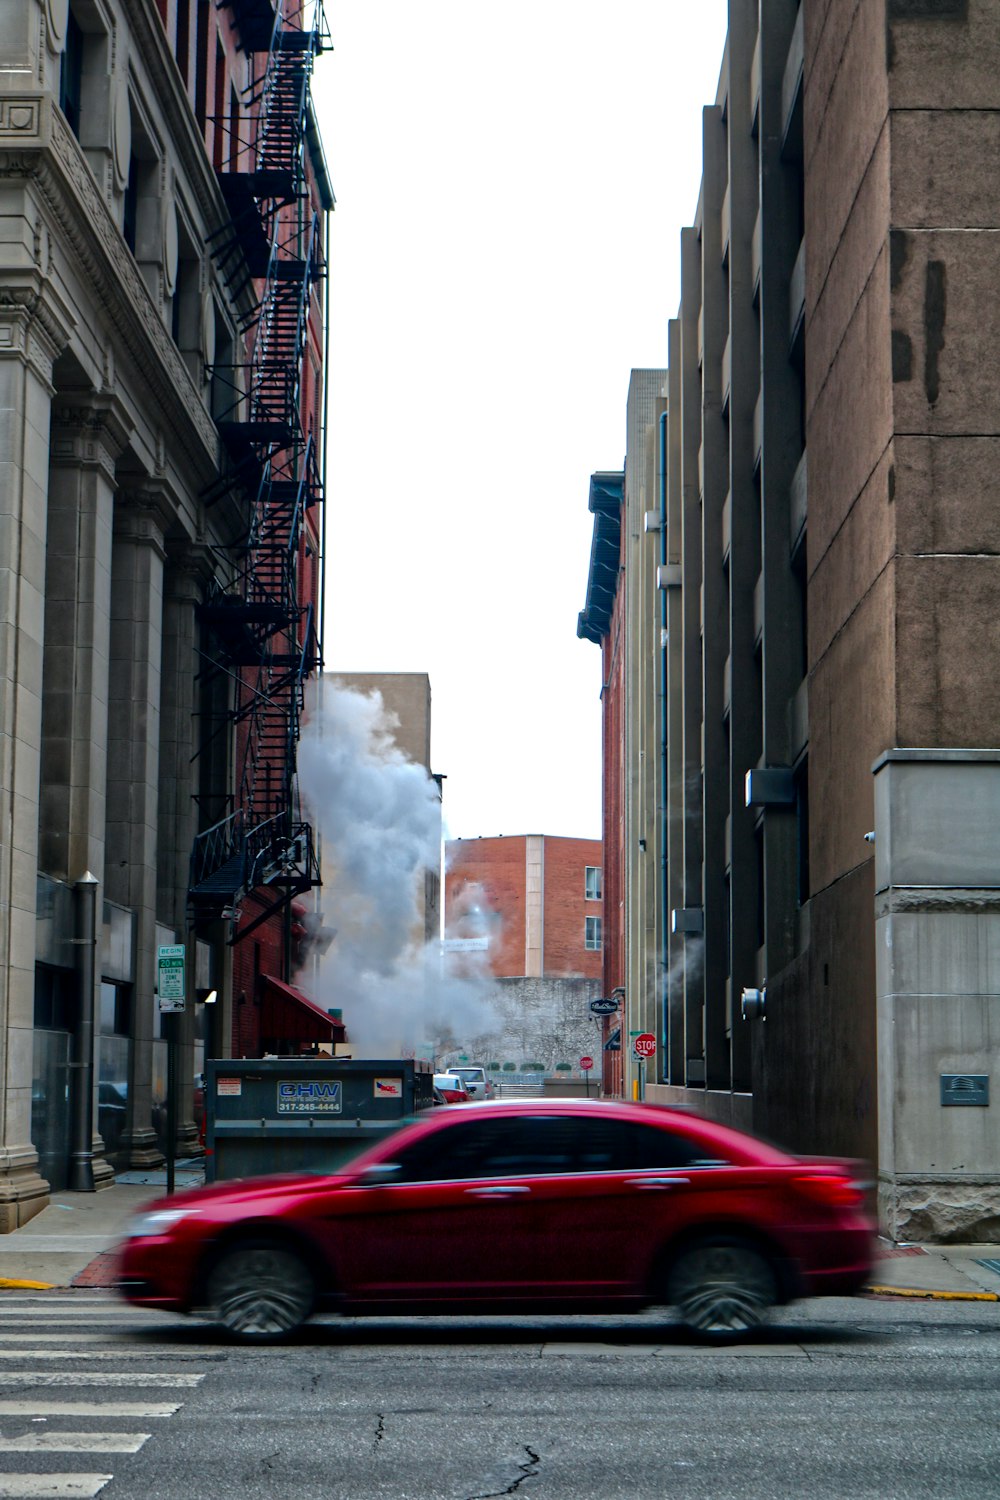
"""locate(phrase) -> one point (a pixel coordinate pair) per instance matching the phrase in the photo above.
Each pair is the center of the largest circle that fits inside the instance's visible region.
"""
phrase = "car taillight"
(833, 1191)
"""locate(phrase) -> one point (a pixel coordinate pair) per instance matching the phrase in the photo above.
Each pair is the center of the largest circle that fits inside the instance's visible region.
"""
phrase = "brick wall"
(491, 874)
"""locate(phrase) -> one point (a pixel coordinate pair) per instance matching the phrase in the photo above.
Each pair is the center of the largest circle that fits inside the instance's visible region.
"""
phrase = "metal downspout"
(664, 865)
(81, 1161)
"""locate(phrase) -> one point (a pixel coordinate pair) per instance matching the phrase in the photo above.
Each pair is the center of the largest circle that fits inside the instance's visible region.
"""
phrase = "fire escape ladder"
(262, 636)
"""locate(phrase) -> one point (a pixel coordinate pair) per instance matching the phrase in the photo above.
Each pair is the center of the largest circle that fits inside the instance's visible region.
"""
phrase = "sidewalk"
(71, 1243)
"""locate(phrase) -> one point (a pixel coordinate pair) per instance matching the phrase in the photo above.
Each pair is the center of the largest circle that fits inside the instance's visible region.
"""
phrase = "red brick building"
(535, 899)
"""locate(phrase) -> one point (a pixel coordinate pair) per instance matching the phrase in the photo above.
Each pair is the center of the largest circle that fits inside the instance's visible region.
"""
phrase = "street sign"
(170, 976)
(604, 1007)
(644, 1045)
(586, 1063)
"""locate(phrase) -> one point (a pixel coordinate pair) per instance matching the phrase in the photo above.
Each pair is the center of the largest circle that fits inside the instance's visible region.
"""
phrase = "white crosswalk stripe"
(64, 1378)
(26, 1350)
(37, 1408)
(81, 1410)
(52, 1486)
(75, 1442)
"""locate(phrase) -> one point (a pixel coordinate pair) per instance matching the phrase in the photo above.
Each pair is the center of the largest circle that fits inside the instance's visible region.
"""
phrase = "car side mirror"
(380, 1172)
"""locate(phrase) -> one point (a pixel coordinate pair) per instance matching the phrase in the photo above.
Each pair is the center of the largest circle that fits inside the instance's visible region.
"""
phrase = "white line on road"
(97, 1377)
(75, 1442)
(58, 1338)
(89, 1408)
(78, 1354)
(52, 1486)
(101, 1311)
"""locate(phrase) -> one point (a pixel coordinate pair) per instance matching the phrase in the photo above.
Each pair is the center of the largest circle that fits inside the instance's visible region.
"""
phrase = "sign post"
(172, 991)
(643, 1047)
(586, 1063)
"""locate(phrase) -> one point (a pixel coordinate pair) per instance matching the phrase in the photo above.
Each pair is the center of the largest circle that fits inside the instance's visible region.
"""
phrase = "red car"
(452, 1088)
(554, 1206)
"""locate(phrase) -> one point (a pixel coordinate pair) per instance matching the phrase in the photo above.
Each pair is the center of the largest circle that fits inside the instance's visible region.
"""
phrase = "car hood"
(239, 1189)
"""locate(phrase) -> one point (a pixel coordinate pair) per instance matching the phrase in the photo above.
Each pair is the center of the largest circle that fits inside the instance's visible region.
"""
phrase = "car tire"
(723, 1288)
(260, 1291)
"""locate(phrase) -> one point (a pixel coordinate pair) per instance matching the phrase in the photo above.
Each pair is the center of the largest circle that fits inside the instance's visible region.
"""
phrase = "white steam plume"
(379, 818)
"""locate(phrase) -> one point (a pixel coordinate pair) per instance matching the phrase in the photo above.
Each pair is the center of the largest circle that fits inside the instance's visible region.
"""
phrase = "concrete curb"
(8, 1285)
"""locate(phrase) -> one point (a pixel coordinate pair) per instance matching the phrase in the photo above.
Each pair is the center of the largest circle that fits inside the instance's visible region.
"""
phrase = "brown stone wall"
(816, 1066)
(945, 90)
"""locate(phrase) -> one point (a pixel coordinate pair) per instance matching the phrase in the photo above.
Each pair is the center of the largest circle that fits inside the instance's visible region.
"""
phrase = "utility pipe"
(664, 858)
(81, 1161)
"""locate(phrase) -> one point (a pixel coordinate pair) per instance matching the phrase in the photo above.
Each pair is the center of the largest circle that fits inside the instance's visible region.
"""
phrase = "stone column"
(134, 778)
(30, 338)
(87, 437)
(88, 434)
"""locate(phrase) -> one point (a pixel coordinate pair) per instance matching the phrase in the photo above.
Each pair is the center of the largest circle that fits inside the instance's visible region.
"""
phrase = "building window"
(592, 882)
(183, 49)
(71, 75)
(592, 934)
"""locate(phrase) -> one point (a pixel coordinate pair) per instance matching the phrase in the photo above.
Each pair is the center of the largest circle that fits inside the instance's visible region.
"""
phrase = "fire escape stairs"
(262, 637)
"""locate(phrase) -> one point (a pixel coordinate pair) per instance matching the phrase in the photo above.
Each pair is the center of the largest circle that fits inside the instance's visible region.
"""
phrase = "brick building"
(536, 900)
(827, 579)
(161, 358)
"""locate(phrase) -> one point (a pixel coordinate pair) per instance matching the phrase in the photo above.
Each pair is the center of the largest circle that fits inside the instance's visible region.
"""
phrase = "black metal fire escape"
(262, 635)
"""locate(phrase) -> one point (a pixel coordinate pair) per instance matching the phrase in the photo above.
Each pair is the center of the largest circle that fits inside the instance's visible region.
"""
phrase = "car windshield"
(470, 1075)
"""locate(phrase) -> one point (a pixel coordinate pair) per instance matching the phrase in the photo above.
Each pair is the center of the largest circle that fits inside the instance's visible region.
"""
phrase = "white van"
(479, 1086)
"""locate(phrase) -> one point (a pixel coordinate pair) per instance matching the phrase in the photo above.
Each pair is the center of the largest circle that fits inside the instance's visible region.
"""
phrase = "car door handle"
(513, 1190)
(657, 1184)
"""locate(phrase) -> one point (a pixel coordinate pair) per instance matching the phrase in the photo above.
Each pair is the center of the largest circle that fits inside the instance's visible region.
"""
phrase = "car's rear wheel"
(723, 1288)
(260, 1291)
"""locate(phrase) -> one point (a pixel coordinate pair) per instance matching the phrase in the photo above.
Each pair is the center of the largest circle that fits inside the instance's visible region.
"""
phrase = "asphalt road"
(871, 1397)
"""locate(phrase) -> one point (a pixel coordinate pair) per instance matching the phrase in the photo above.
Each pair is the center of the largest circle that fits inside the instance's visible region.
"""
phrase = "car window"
(659, 1146)
(545, 1145)
(464, 1151)
(610, 1145)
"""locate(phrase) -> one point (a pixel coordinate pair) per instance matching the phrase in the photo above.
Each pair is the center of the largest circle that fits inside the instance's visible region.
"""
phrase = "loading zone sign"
(309, 1096)
(170, 976)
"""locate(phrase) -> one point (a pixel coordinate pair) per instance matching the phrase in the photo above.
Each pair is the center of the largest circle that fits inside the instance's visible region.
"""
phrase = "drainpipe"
(665, 940)
(81, 1161)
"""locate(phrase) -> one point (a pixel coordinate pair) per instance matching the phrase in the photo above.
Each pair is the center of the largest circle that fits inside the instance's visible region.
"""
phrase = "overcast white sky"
(511, 182)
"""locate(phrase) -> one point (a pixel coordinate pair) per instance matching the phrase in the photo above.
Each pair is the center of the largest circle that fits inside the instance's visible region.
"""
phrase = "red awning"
(288, 1016)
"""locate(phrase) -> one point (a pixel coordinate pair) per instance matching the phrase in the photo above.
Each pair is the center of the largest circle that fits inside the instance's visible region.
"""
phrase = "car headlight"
(157, 1222)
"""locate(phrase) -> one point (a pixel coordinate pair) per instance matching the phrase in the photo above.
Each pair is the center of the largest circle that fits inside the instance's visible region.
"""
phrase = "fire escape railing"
(261, 634)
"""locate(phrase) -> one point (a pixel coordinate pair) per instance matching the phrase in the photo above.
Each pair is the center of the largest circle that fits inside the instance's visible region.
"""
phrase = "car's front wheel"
(260, 1291)
(723, 1288)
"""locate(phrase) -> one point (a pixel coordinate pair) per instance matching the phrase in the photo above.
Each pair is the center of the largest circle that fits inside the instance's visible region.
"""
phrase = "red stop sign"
(586, 1063)
(644, 1044)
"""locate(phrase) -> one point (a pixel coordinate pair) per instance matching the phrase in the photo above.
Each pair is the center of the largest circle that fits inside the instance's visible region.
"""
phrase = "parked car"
(566, 1206)
(452, 1088)
(475, 1080)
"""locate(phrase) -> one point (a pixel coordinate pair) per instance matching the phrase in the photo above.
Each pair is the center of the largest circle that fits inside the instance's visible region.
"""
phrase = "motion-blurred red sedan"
(556, 1206)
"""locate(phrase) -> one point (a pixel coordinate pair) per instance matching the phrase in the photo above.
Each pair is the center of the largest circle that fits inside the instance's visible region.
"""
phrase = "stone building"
(159, 549)
(829, 576)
